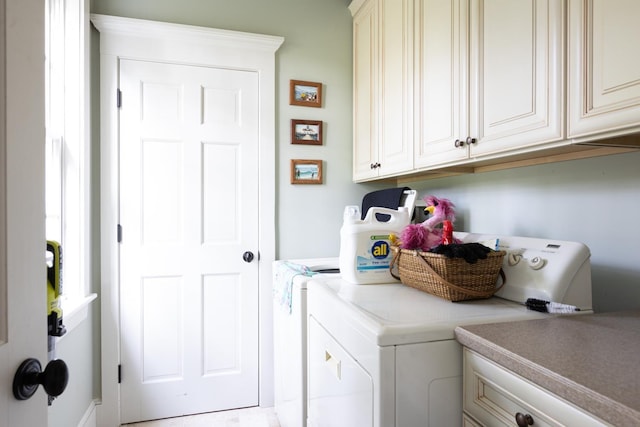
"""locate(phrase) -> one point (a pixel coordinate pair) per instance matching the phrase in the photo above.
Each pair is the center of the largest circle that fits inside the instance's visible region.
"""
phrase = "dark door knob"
(247, 256)
(28, 377)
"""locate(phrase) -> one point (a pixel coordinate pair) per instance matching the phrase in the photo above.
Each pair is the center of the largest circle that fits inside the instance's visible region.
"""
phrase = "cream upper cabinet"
(442, 83)
(604, 68)
(383, 88)
(490, 78)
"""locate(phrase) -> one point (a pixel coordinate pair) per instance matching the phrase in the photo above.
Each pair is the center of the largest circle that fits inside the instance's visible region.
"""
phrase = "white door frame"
(181, 44)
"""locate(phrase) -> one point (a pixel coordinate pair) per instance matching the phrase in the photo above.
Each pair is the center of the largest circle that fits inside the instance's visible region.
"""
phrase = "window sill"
(75, 311)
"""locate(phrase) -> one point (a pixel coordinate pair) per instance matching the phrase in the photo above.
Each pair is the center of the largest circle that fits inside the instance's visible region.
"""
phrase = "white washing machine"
(385, 355)
(290, 279)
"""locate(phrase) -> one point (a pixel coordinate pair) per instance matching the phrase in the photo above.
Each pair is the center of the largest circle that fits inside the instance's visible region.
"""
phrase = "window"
(68, 142)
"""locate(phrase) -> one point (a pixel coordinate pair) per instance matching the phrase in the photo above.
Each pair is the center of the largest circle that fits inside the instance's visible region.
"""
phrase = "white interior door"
(22, 243)
(188, 198)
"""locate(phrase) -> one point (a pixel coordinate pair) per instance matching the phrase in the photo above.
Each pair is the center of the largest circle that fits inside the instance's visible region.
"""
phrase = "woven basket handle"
(393, 263)
(458, 288)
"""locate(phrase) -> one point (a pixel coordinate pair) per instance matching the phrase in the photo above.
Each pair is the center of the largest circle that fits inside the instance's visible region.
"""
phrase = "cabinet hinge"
(119, 232)
(119, 98)
(119, 374)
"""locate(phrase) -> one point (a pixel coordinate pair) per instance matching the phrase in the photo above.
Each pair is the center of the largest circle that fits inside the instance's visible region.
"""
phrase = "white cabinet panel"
(383, 85)
(516, 59)
(442, 85)
(490, 78)
(604, 67)
(365, 152)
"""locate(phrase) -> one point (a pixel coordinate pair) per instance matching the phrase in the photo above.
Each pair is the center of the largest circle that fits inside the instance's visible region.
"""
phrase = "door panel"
(23, 310)
(188, 191)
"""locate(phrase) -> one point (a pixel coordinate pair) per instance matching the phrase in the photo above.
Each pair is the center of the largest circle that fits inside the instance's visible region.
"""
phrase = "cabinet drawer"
(493, 396)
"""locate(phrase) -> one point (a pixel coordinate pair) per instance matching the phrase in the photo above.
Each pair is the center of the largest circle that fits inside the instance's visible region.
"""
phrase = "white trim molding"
(181, 44)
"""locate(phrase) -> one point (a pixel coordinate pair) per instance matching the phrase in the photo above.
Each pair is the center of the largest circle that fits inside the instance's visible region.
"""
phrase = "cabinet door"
(516, 74)
(383, 47)
(365, 147)
(604, 67)
(441, 81)
(395, 145)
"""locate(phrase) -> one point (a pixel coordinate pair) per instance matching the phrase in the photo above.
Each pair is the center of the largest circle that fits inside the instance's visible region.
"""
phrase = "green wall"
(595, 201)
(317, 48)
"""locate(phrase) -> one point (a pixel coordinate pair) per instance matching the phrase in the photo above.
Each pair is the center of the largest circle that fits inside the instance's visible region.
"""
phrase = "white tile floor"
(248, 417)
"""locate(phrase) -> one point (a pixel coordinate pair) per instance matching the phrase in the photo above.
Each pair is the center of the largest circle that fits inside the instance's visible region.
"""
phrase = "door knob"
(29, 376)
(247, 256)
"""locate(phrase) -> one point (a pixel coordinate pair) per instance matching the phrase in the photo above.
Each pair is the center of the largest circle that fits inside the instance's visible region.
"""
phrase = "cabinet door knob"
(470, 140)
(458, 143)
(524, 420)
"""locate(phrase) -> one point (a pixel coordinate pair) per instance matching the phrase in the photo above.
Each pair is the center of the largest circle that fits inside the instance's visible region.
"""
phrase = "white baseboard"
(89, 417)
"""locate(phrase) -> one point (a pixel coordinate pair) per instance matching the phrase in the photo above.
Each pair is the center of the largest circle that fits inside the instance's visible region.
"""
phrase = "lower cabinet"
(495, 396)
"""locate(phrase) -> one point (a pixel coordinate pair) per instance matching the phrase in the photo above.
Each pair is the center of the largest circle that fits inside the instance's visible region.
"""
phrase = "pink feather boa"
(426, 236)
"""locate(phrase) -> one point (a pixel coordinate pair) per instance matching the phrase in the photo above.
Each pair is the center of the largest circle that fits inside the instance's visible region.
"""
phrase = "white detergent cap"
(351, 212)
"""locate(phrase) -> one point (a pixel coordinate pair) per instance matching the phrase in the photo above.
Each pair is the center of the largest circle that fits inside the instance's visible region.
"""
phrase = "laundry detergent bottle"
(365, 247)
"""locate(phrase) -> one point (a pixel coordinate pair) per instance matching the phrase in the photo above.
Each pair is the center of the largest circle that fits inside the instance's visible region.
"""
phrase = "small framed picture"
(307, 132)
(306, 171)
(306, 94)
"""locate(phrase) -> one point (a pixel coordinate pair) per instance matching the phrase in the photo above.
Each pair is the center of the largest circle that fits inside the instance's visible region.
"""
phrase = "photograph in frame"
(306, 171)
(306, 132)
(306, 94)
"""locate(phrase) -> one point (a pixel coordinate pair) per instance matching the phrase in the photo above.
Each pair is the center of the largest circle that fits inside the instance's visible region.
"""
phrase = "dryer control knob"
(513, 259)
(536, 263)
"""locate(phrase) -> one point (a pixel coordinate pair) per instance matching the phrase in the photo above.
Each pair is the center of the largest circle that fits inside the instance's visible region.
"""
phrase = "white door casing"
(22, 267)
(179, 44)
(189, 185)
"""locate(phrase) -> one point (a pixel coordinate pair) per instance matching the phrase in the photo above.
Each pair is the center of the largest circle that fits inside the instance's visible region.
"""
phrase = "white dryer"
(385, 355)
(290, 280)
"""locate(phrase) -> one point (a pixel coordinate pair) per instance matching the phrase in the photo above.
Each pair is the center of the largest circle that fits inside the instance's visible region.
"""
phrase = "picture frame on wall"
(306, 132)
(306, 94)
(306, 171)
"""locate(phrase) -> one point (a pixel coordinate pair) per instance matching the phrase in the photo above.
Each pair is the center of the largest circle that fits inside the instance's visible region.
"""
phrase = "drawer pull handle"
(333, 364)
(524, 420)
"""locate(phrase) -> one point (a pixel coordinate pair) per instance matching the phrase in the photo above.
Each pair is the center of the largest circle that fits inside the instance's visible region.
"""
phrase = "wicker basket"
(453, 279)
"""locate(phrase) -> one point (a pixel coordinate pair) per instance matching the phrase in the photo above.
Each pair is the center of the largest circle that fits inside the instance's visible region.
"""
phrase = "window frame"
(68, 144)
